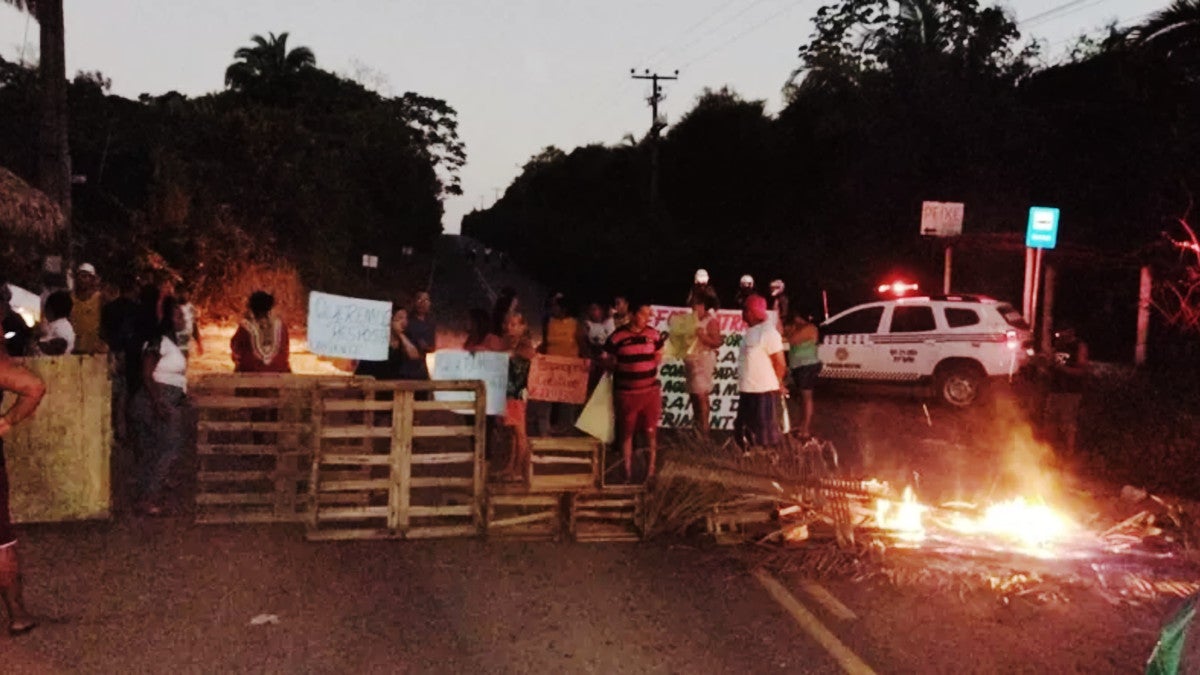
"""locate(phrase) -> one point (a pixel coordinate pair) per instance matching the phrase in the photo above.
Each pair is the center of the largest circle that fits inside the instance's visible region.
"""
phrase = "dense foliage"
(891, 104)
(291, 163)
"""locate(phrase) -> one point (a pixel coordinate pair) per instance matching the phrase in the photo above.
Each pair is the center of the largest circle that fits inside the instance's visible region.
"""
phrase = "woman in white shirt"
(157, 409)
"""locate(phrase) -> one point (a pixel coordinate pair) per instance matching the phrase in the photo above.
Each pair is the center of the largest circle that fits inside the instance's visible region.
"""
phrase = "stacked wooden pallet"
(392, 464)
(563, 495)
(254, 447)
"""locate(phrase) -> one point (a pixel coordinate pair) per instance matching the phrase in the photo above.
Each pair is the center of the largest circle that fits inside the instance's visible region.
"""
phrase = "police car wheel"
(959, 385)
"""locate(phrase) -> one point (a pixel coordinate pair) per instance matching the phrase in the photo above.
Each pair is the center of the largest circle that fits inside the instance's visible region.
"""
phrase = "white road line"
(847, 659)
(828, 601)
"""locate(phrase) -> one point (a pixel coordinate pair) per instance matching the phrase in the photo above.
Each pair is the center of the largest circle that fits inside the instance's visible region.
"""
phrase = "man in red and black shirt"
(635, 349)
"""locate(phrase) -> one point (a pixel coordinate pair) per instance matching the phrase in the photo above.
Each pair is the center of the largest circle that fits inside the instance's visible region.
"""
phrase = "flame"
(1032, 524)
(903, 517)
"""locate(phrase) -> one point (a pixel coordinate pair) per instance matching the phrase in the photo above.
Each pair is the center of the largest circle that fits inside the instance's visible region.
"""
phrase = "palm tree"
(54, 158)
(267, 66)
(1173, 33)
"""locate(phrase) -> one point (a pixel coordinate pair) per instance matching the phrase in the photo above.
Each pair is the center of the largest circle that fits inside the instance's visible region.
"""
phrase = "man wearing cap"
(745, 290)
(761, 366)
(701, 290)
(85, 311)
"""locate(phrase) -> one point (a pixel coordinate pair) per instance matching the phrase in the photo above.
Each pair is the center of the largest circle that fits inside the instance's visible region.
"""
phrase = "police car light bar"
(898, 288)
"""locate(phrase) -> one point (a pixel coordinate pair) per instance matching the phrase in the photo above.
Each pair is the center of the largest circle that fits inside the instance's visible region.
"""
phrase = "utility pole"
(656, 124)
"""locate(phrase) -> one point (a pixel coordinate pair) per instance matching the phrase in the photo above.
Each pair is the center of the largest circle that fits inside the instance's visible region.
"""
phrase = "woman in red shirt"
(260, 344)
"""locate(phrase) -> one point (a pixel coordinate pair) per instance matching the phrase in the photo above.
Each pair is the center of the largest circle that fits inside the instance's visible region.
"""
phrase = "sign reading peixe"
(941, 219)
(561, 379)
(723, 398)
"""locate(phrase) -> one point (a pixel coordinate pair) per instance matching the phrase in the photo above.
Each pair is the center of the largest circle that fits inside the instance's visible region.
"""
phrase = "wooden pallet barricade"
(606, 515)
(526, 517)
(564, 463)
(254, 446)
(391, 465)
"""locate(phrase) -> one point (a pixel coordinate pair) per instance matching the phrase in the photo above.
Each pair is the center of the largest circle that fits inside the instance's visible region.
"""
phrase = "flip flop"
(22, 630)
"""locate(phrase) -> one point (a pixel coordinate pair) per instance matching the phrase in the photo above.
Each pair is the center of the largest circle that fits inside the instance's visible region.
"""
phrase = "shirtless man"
(28, 389)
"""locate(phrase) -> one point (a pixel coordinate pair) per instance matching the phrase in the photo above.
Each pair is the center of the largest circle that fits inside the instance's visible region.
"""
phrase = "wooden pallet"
(727, 523)
(563, 463)
(606, 515)
(416, 466)
(526, 517)
(254, 446)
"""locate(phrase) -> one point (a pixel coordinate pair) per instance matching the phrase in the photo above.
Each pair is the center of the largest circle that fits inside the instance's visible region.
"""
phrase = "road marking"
(847, 659)
(828, 601)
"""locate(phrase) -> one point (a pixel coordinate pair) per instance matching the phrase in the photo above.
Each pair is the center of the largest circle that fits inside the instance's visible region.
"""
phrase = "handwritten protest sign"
(677, 410)
(561, 379)
(350, 328)
(457, 364)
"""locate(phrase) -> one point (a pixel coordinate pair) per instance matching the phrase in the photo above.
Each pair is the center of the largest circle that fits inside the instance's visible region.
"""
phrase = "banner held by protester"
(561, 379)
(348, 328)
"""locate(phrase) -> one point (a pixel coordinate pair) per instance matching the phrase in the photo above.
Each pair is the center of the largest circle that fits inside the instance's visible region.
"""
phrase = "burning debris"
(788, 503)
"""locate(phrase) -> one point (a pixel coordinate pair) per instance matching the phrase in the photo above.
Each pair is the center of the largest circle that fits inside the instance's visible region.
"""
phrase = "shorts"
(698, 370)
(7, 536)
(804, 378)
(759, 420)
(637, 410)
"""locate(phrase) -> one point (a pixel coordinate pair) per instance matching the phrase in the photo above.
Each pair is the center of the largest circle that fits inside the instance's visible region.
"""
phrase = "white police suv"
(956, 342)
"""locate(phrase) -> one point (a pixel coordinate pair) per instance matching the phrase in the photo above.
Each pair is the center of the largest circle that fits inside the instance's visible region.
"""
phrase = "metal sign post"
(1041, 233)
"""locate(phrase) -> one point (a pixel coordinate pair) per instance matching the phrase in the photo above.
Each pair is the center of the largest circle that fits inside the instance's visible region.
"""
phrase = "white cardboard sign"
(349, 328)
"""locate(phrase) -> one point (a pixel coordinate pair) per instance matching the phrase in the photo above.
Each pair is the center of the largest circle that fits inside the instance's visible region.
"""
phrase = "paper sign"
(349, 328)
(723, 398)
(561, 379)
(941, 219)
(597, 418)
(458, 364)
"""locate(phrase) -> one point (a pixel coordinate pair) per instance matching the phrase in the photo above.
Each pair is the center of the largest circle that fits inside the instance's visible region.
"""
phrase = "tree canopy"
(315, 171)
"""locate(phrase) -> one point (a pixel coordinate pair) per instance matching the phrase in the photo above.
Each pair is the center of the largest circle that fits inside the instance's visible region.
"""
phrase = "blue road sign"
(1042, 231)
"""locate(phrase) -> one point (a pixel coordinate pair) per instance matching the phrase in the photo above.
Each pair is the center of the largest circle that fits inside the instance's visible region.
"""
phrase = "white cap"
(747, 280)
(777, 286)
(701, 276)
(86, 268)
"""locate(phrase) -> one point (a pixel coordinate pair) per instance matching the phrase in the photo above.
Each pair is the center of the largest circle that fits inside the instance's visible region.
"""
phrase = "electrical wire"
(1064, 14)
(743, 34)
(721, 6)
(1053, 10)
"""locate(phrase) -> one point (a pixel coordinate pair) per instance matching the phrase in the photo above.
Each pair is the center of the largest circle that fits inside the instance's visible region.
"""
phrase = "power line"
(743, 34)
(721, 6)
(719, 26)
(1063, 14)
(1053, 10)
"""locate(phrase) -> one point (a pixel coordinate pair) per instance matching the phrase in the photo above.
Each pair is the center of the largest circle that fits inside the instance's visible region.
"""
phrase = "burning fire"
(903, 517)
(1032, 525)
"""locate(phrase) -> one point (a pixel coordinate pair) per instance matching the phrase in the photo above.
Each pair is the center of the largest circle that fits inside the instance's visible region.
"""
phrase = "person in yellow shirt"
(85, 311)
(562, 335)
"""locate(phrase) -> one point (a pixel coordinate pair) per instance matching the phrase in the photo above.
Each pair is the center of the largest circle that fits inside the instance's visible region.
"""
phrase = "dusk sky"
(523, 74)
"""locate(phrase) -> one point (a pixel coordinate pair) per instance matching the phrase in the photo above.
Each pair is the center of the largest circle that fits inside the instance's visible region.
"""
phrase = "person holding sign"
(635, 350)
(760, 372)
(519, 345)
(403, 360)
(260, 344)
(702, 339)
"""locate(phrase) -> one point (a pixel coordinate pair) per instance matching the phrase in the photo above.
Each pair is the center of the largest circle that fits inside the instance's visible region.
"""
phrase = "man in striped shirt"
(635, 351)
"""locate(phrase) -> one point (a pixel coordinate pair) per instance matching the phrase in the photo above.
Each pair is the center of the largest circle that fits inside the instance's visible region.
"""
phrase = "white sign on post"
(941, 219)
(458, 364)
(349, 328)
(370, 261)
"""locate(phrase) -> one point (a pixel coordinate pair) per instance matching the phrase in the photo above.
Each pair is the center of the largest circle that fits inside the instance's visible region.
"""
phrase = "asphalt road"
(164, 596)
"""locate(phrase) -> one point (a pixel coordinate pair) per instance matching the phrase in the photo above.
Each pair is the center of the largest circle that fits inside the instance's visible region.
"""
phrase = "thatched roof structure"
(25, 210)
